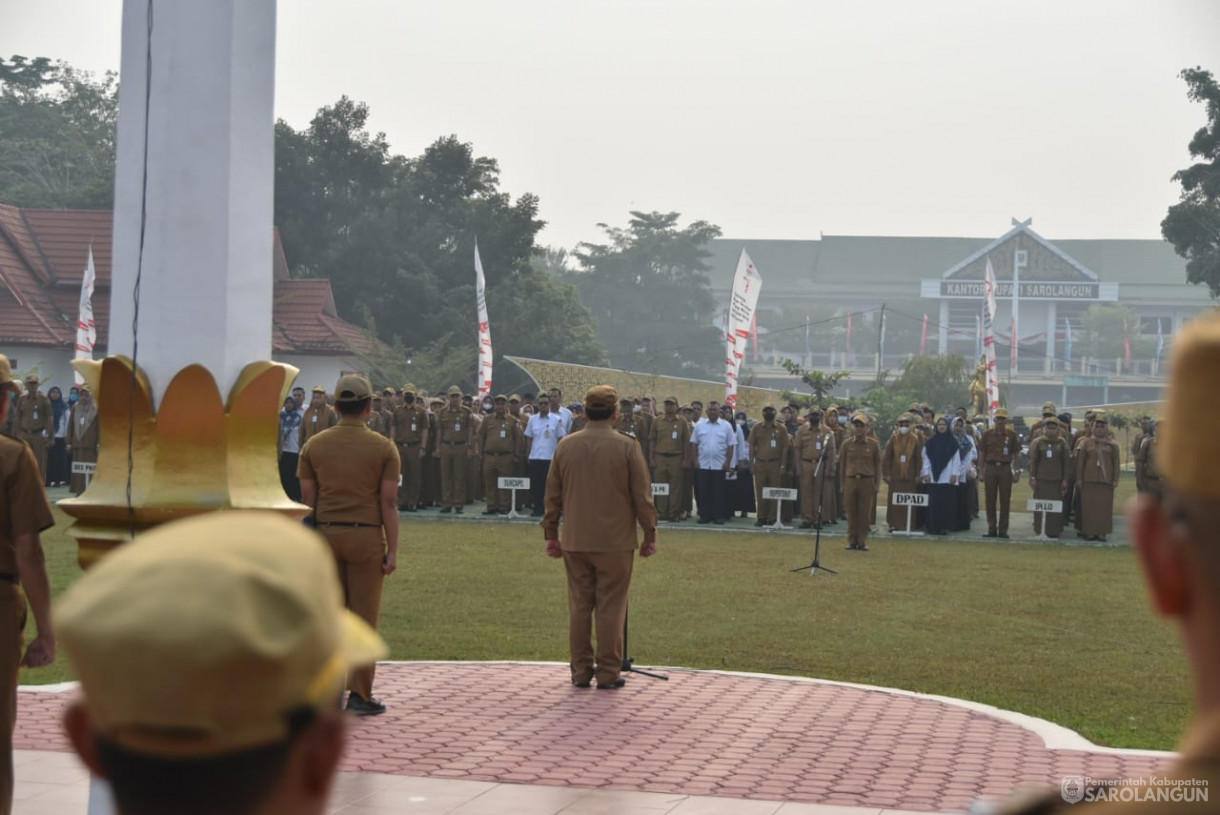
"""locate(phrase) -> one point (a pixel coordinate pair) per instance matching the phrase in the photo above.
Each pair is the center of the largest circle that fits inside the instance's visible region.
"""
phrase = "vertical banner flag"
(746, 284)
(1126, 346)
(1067, 343)
(978, 335)
(923, 336)
(1160, 341)
(847, 355)
(993, 382)
(485, 355)
(86, 331)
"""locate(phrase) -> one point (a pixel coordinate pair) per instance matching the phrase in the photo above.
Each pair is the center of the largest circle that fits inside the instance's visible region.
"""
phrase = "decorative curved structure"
(195, 453)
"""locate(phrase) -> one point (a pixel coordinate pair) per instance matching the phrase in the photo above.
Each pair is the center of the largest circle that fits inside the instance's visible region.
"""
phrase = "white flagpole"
(485, 353)
(86, 329)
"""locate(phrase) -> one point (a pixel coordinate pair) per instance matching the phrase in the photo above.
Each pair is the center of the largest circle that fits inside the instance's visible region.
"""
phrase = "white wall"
(319, 370)
(53, 365)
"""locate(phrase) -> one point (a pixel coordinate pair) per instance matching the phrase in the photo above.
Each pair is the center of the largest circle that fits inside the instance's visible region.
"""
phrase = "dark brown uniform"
(35, 426)
(83, 438)
(996, 453)
(814, 453)
(1050, 463)
(1098, 462)
(769, 461)
(317, 419)
(498, 440)
(455, 430)
(902, 467)
(409, 432)
(860, 466)
(668, 443)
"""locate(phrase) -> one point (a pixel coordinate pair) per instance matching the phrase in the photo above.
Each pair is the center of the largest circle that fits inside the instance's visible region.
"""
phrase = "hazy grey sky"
(771, 118)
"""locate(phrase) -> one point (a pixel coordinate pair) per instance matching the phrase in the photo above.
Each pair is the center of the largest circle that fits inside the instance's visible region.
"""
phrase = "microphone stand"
(817, 541)
(629, 663)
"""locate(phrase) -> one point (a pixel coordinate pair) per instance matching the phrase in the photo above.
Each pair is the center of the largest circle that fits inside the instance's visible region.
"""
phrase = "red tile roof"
(43, 253)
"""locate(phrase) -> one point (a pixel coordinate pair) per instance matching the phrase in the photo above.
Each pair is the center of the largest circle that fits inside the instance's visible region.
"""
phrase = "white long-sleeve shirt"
(954, 468)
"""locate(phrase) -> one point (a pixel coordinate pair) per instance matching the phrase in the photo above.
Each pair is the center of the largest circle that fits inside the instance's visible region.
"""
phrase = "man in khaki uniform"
(1098, 465)
(1050, 461)
(1177, 540)
(840, 434)
(26, 513)
(455, 432)
(769, 455)
(599, 485)
(997, 449)
(430, 486)
(497, 442)
(318, 416)
(409, 432)
(83, 436)
(1147, 463)
(860, 466)
(901, 468)
(35, 422)
(235, 712)
(376, 421)
(667, 450)
(349, 476)
(628, 423)
(1048, 412)
(814, 459)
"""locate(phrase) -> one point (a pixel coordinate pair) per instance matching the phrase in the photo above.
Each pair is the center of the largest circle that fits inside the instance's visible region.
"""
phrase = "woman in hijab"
(969, 454)
(83, 435)
(942, 468)
(57, 453)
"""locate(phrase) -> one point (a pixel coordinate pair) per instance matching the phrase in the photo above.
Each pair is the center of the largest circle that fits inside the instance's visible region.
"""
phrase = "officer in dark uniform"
(997, 449)
(628, 423)
(497, 441)
(667, 458)
(768, 443)
(860, 473)
(455, 431)
(318, 416)
(35, 422)
(409, 432)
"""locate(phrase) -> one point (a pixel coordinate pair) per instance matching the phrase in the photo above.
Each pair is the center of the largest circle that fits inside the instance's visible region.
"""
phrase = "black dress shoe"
(412, 508)
(806, 525)
(583, 684)
(446, 510)
(1003, 535)
(718, 522)
(360, 707)
(704, 521)
(459, 510)
(990, 535)
(491, 512)
(615, 685)
(863, 547)
(758, 522)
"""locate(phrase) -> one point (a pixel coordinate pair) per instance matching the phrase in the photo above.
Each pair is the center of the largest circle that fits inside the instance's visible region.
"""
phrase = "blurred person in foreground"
(211, 653)
(599, 485)
(1177, 540)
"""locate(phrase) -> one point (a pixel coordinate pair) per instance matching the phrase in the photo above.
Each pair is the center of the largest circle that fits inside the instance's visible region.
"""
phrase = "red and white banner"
(923, 336)
(485, 355)
(993, 381)
(86, 330)
(746, 285)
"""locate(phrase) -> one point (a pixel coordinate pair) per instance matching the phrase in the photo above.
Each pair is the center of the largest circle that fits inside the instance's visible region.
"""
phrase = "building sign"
(1030, 290)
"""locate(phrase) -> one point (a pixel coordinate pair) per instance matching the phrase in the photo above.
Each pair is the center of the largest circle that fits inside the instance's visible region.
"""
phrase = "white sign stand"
(660, 489)
(908, 500)
(85, 468)
(779, 495)
(513, 484)
(1045, 507)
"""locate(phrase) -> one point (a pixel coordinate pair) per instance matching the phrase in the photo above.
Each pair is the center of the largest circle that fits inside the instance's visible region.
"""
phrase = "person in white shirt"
(565, 414)
(713, 446)
(968, 449)
(542, 435)
(942, 469)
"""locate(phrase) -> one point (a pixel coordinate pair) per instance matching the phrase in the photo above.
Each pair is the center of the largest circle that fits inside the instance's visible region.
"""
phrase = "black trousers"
(288, 475)
(539, 468)
(710, 485)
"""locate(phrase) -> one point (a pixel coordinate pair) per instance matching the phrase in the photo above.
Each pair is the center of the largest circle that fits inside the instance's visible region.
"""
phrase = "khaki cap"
(671, 400)
(352, 388)
(1050, 421)
(601, 397)
(200, 637)
(1100, 416)
(454, 390)
(1048, 409)
(409, 388)
(6, 376)
(514, 398)
(31, 379)
(906, 417)
(389, 392)
(1002, 414)
(319, 389)
(501, 398)
(860, 417)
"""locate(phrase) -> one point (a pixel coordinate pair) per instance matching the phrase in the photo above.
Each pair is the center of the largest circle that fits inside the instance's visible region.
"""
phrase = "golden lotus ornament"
(193, 453)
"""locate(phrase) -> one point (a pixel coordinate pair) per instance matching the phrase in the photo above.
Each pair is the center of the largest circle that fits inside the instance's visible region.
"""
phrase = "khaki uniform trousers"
(860, 501)
(896, 517)
(412, 474)
(359, 553)
(37, 443)
(998, 479)
(814, 491)
(597, 591)
(767, 474)
(12, 621)
(495, 467)
(453, 476)
(670, 471)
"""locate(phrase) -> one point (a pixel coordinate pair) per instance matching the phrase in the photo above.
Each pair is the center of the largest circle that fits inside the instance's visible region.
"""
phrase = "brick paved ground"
(701, 733)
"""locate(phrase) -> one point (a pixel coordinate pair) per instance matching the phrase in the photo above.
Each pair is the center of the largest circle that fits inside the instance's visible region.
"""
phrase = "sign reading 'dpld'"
(1044, 506)
(514, 483)
(660, 489)
(84, 467)
(910, 499)
(779, 494)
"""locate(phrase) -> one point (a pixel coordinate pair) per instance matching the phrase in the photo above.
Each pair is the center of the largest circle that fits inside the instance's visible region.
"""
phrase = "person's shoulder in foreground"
(212, 654)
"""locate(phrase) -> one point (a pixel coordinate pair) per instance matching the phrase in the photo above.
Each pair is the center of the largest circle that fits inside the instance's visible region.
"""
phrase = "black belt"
(10, 578)
(408, 444)
(669, 454)
(768, 460)
(1152, 478)
(861, 476)
(455, 443)
(348, 524)
(999, 463)
(497, 452)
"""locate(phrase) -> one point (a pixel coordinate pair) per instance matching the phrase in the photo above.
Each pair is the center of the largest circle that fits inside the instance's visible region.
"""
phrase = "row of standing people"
(58, 430)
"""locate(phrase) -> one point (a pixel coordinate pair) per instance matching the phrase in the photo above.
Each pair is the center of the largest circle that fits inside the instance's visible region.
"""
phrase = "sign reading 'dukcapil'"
(513, 483)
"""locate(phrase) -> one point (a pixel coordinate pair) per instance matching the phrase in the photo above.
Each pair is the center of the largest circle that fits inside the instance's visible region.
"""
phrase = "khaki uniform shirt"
(599, 485)
(34, 414)
(632, 425)
(455, 429)
(903, 457)
(410, 422)
(998, 447)
(1050, 459)
(861, 458)
(376, 423)
(23, 503)
(1148, 458)
(811, 444)
(349, 464)
(1098, 461)
(769, 443)
(496, 435)
(669, 437)
(316, 420)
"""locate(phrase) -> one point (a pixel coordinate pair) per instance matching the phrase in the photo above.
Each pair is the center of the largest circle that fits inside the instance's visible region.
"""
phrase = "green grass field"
(1054, 631)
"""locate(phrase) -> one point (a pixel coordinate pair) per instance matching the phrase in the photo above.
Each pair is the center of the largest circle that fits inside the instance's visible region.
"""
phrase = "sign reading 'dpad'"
(514, 483)
(779, 494)
(660, 489)
(910, 499)
(85, 467)
(1045, 506)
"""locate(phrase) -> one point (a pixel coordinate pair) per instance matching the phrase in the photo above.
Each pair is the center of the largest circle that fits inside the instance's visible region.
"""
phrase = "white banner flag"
(746, 285)
(86, 331)
(993, 382)
(485, 355)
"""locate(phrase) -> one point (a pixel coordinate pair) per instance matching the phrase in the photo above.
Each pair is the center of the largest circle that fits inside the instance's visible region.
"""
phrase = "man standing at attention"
(768, 445)
(455, 430)
(318, 416)
(996, 451)
(667, 451)
(901, 465)
(498, 437)
(409, 432)
(542, 434)
(860, 465)
(349, 476)
(713, 443)
(599, 485)
(35, 424)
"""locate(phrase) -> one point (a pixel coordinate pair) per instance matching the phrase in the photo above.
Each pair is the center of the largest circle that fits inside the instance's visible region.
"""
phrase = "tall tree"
(648, 289)
(1193, 224)
(57, 135)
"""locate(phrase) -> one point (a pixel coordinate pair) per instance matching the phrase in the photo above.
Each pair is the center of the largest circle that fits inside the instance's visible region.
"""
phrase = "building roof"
(43, 253)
